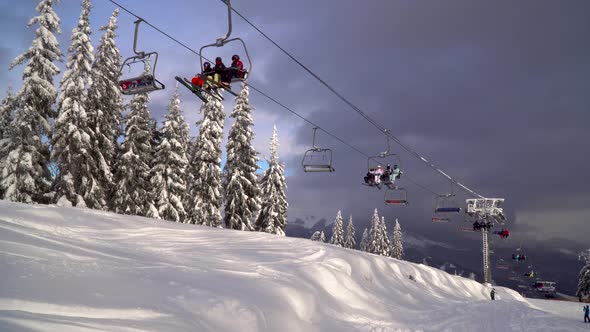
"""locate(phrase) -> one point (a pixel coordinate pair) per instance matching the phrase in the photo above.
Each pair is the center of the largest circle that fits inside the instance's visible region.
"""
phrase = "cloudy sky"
(496, 93)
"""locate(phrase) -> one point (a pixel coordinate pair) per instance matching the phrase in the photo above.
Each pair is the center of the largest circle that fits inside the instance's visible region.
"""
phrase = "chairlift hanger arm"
(140, 53)
(229, 23)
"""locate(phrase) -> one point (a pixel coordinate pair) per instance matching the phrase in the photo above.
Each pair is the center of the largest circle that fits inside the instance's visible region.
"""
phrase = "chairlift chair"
(317, 159)
(446, 204)
(146, 82)
(466, 229)
(222, 41)
(384, 158)
(396, 196)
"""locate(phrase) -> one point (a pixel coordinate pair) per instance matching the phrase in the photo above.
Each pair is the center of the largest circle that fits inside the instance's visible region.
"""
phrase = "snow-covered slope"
(66, 269)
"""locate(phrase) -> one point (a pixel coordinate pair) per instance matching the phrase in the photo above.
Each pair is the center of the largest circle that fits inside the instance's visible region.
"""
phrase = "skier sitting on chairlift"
(378, 174)
(220, 70)
(477, 226)
(236, 69)
(390, 175)
(370, 177)
(207, 71)
(504, 233)
(518, 257)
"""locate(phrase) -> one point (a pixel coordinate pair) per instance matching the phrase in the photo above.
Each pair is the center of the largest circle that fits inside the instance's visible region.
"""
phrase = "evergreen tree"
(350, 240)
(378, 242)
(242, 195)
(72, 138)
(205, 189)
(132, 193)
(273, 213)
(104, 111)
(583, 289)
(315, 236)
(170, 167)
(7, 107)
(364, 240)
(338, 231)
(397, 245)
(322, 236)
(24, 172)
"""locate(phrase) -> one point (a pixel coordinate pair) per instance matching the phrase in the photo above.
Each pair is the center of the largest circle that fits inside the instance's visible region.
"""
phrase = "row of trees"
(583, 289)
(71, 155)
(374, 240)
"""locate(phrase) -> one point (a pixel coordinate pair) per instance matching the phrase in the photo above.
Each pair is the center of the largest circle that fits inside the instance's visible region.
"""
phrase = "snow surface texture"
(69, 269)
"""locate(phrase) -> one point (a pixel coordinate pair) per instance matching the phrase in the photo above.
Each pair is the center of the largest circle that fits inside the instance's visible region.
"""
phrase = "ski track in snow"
(67, 269)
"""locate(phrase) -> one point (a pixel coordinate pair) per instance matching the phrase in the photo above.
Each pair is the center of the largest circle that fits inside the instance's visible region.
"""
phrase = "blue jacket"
(586, 310)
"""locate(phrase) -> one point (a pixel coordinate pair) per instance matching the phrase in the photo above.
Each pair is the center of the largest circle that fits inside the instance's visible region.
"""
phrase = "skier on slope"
(493, 294)
(586, 313)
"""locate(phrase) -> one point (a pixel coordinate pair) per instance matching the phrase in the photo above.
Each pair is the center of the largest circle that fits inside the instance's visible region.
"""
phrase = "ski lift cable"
(263, 93)
(358, 110)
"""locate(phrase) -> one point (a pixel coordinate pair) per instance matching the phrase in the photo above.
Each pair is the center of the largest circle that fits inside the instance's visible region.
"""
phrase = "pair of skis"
(200, 92)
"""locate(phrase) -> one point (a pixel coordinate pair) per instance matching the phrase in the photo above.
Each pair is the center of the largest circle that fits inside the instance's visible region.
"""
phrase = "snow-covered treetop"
(45, 43)
(274, 143)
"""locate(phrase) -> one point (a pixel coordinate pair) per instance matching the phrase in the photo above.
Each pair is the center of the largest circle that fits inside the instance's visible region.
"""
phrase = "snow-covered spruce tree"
(364, 240)
(338, 231)
(132, 194)
(170, 165)
(397, 244)
(104, 109)
(273, 212)
(242, 195)
(378, 242)
(583, 289)
(350, 240)
(7, 107)
(38, 92)
(24, 174)
(315, 236)
(72, 137)
(205, 189)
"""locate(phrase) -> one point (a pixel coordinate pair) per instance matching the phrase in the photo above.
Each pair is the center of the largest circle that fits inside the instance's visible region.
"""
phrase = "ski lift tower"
(486, 211)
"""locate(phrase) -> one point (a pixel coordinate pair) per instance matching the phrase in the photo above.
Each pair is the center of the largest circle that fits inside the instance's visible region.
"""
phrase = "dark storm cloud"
(495, 93)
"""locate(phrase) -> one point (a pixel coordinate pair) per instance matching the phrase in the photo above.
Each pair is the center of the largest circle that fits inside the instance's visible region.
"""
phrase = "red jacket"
(238, 64)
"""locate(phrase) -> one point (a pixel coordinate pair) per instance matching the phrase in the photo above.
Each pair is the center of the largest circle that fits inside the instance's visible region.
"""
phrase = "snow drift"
(68, 269)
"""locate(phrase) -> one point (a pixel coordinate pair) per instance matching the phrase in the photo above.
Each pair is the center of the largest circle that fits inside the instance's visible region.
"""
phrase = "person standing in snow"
(586, 313)
(493, 294)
